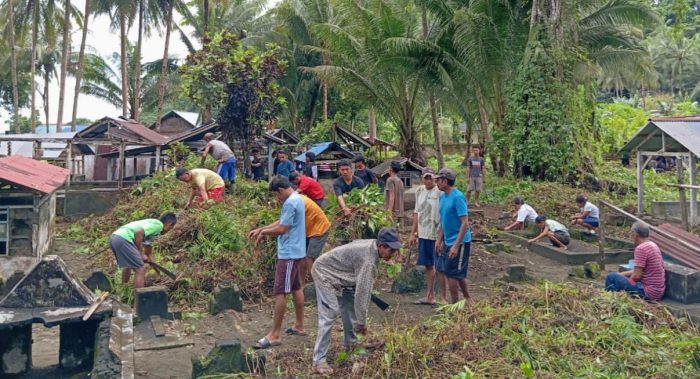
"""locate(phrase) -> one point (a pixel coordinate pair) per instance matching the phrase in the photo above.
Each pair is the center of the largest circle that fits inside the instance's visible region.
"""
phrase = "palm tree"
(81, 61)
(13, 62)
(64, 63)
(163, 75)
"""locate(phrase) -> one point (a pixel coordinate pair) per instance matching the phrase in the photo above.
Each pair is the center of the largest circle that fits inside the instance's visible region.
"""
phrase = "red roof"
(144, 132)
(32, 174)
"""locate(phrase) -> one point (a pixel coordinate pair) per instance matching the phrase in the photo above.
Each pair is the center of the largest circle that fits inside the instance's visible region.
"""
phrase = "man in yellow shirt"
(206, 184)
(317, 228)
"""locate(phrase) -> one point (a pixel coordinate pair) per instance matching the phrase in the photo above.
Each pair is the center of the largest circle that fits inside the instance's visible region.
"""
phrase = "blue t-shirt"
(285, 168)
(292, 245)
(452, 207)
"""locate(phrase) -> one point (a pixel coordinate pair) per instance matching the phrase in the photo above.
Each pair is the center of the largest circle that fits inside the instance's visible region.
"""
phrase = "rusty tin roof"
(32, 174)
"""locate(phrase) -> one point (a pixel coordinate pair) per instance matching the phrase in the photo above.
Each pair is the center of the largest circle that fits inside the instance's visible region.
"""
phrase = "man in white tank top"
(226, 167)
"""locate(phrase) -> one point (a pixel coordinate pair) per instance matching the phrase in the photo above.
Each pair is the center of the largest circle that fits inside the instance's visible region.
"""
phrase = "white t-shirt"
(595, 213)
(526, 212)
(428, 212)
(556, 226)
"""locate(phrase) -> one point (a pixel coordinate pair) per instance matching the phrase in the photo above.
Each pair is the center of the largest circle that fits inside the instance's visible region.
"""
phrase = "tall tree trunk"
(325, 101)
(137, 66)
(64, 64)
(35, 36)
(47, 73)
(372, 123)
(125, 90)
(164, 68)
(205, 30)
(13, 63)
(79, 72)
(433, 111)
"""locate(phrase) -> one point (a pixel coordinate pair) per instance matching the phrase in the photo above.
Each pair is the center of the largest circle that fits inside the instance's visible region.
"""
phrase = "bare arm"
(390, 202)
(138, 241)
(203, 192)
(541, 235)
(513, 225)
(193, 193)
(205, 153)
(636, 274)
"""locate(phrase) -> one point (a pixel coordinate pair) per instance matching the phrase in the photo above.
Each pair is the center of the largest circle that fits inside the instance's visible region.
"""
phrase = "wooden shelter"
(352, 140)
(328, 154)
(176, 122)
(410, 173)
(677, 137)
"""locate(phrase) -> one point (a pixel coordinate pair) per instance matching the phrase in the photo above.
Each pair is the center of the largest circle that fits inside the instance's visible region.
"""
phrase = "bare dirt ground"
(295, 352)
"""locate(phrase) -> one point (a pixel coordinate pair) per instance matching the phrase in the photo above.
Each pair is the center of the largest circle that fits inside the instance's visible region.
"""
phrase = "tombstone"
(98, 281)
(151, 301)
(225, 357)
(226, 295)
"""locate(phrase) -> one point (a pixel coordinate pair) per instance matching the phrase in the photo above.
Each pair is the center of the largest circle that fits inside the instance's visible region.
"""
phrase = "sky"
(104, 42)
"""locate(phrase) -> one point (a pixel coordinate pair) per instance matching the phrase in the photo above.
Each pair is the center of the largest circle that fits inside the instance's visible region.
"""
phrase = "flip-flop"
(423, 301)
(265, 343)
(295, 332)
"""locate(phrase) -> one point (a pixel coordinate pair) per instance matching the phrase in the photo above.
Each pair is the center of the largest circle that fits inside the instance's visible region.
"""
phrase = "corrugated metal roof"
(136, 132)
(32, 174)
(682, 135)
(323, 147)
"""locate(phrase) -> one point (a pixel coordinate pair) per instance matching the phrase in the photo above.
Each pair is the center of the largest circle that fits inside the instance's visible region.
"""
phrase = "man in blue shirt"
(290, 230)
(454, 235)
(285, 167)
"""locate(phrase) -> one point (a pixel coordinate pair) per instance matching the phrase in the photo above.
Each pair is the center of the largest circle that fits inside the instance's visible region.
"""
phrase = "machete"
(383, 305)
(163, 270)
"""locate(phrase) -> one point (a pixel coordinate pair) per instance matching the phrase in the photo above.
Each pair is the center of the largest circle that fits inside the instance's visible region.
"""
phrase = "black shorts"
(456, 268)
(562, 237)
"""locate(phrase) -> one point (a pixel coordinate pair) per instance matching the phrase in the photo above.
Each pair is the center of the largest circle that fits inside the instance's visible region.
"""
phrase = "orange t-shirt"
(317, 224)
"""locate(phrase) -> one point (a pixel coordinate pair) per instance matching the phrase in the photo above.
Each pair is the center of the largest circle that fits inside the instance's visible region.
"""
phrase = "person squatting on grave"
(344, 278)
(454, 235)
(291, 251)
(588, 217)
(131, 245)
(523, 213)
(205, 184)
(557, 233)
(648, 278)
(426, 221)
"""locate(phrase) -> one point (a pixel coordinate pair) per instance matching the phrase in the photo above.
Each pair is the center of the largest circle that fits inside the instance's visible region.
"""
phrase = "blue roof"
(321, 148)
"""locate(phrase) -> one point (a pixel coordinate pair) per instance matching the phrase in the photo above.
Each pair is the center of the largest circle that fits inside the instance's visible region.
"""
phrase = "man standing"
(309, 187)
(345, 183)
(344, 278)
(426, 221)
(454, 236)
(317, 229)
(256, 166)
(393, 192)
(475, 174)
(362, 172)
(131, 245)
(310, 168)
(291, 250)
(205, 184)
(285, 167)
(523, 213)
(221, 152)
(648, 278)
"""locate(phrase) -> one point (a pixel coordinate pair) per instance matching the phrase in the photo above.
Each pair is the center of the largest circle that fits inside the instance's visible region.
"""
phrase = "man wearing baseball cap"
(454, 235)
(344, 278)
(426, 220)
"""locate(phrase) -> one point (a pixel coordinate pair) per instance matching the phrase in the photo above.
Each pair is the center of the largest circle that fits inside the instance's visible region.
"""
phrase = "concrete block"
(151, 301)
(408, 282)
(15, 350)
(515, 273)
(98, 281)
(106, 364)
(77, 344)
(226, 295)
(225, 357)
(310, 293)
(682, 283)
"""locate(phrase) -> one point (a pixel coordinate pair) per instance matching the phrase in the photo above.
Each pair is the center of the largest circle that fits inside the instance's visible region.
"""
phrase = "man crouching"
(344, 278)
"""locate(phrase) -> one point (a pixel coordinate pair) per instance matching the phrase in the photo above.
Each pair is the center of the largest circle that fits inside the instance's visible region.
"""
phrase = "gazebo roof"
(667, 134)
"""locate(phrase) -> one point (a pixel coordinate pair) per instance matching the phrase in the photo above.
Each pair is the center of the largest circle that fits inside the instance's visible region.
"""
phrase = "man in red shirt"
(648, 278)
(309, 187)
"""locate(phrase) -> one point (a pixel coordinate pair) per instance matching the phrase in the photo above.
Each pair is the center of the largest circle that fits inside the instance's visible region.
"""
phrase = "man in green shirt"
(131, 245)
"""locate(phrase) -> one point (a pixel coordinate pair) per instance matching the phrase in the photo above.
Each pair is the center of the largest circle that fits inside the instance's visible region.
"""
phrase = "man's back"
(340, 266)
(311, 188)
(220, 151)
(647, 255)
(292, 245)
(208, 178)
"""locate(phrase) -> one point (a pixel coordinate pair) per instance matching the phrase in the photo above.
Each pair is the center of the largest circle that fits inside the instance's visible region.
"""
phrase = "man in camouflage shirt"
(344, 278)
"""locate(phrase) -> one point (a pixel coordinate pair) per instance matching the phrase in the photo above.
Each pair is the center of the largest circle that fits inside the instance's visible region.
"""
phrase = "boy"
(588, 217)
(475, 174)
(555, 231)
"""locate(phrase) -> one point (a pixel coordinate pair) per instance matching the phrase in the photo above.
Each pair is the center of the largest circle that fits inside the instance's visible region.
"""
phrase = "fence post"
(601, 235)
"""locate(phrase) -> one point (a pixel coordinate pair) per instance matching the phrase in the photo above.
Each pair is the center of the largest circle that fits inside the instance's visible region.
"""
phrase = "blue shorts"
(227, 170)
(456, 268)
(592, 221)
(426, 252)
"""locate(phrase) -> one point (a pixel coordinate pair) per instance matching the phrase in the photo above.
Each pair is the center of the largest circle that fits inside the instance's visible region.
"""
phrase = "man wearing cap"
(226, 161)
(454, 236)
(205, 184)
(344, 278)
(426, 221)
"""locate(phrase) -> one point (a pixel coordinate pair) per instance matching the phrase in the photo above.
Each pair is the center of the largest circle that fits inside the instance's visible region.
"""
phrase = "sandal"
(295, 332)
(323, 368)
(423, 301)
(265, 343)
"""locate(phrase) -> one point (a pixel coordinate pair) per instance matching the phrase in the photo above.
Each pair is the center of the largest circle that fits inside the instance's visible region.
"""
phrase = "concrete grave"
(225, 357)
(15, 350)
(226, 295)
(408, 282)
(515, 273)
(151, 301)
(682, 283)
(77, 344)
(98, 281)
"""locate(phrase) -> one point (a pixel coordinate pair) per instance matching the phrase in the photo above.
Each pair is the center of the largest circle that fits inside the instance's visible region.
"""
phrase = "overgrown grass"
(547, 330)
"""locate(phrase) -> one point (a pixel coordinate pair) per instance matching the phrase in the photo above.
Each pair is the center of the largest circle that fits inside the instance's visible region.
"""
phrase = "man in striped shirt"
(648, 278)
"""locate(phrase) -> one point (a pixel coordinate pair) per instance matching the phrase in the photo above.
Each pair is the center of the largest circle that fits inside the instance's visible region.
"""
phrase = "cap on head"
(447, 173)
(389, 237)
(427, 171)
(395, 166)
(180, 171)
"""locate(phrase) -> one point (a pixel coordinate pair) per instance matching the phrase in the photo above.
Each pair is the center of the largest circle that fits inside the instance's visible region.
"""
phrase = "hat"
(447, 174)
(389, 237)
(427, 171)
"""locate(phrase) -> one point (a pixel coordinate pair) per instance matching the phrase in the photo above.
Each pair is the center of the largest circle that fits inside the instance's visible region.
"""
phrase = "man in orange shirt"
(317, 229)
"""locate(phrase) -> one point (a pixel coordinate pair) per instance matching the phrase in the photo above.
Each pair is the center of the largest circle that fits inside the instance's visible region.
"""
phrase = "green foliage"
(368, 214)
(619, 122)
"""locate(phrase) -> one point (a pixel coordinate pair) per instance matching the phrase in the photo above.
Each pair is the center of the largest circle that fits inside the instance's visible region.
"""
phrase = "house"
(27, 211)
(327, 156)
(177, 122)
(410, 175)
(50, 147)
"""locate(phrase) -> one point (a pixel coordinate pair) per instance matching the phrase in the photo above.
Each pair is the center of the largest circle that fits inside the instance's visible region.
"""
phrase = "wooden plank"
(158, 326)
(640, 183)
